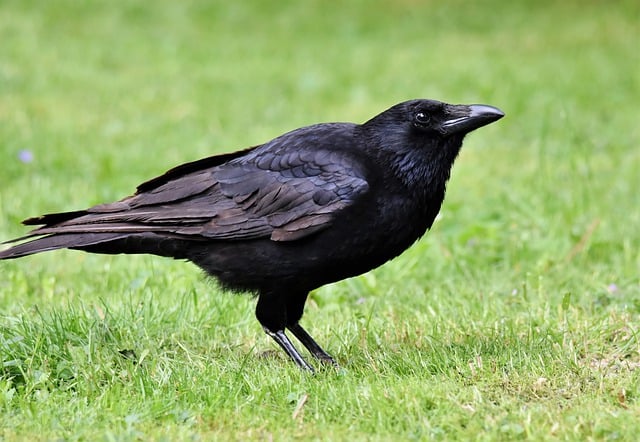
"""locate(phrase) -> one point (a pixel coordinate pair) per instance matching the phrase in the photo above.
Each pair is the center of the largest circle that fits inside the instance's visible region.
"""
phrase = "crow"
(313, 206)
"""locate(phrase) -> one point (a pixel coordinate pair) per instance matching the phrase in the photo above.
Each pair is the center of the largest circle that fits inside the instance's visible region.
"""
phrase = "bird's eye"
(422, 118)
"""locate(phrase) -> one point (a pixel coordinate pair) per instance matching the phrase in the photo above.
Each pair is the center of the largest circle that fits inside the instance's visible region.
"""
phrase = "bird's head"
(420, 139)
(436, 119)
(428, 126)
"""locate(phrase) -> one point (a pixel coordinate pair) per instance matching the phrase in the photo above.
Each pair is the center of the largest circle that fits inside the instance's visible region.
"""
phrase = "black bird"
(313, 206)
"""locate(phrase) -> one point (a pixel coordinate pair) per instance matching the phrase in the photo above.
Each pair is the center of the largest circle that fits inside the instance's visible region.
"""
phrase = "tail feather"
(53, 218)
(59, 241)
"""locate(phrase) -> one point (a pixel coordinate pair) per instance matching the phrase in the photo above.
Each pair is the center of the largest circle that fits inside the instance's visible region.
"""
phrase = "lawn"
(516, 317)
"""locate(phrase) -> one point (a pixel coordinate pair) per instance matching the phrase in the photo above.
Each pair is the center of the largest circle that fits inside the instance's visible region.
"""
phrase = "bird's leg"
(295, 307)
(284, 342)
(272, 314)
(311, 345)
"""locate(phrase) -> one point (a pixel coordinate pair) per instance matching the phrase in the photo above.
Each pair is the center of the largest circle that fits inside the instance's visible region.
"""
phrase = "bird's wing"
(289, 195)
(280, 192)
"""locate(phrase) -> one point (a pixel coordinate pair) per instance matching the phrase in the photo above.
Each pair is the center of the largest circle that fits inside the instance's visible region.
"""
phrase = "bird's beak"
(464, 119)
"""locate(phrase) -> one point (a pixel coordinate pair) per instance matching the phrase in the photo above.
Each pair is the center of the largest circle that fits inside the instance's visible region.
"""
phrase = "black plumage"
(313, 206)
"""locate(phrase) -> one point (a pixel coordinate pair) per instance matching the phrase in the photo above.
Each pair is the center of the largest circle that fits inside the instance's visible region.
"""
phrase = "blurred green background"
(534, 258)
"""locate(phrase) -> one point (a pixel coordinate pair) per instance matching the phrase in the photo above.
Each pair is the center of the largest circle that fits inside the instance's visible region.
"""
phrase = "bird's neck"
(424, 172)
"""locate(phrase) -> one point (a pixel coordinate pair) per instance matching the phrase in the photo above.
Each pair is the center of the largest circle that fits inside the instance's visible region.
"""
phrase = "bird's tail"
(90, 232)
(110, 243)
(81, 241)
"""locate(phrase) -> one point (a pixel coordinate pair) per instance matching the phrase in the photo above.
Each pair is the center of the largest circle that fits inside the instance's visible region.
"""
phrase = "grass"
(516, 317)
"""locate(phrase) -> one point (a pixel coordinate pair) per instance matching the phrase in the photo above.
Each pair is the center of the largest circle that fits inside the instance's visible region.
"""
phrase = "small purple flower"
(612, 288)
(26, 156)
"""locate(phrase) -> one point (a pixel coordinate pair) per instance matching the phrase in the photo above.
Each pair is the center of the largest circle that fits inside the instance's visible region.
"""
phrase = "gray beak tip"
(485, 111)
(468, 118)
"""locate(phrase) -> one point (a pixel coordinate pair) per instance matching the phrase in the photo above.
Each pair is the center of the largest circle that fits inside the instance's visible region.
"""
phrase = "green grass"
(516, 317)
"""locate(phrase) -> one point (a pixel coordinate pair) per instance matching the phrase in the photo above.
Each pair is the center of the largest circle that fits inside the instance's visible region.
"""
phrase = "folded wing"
(275, 191)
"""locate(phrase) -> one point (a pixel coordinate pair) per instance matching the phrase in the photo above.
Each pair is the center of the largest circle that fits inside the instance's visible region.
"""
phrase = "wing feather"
(285, 190)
